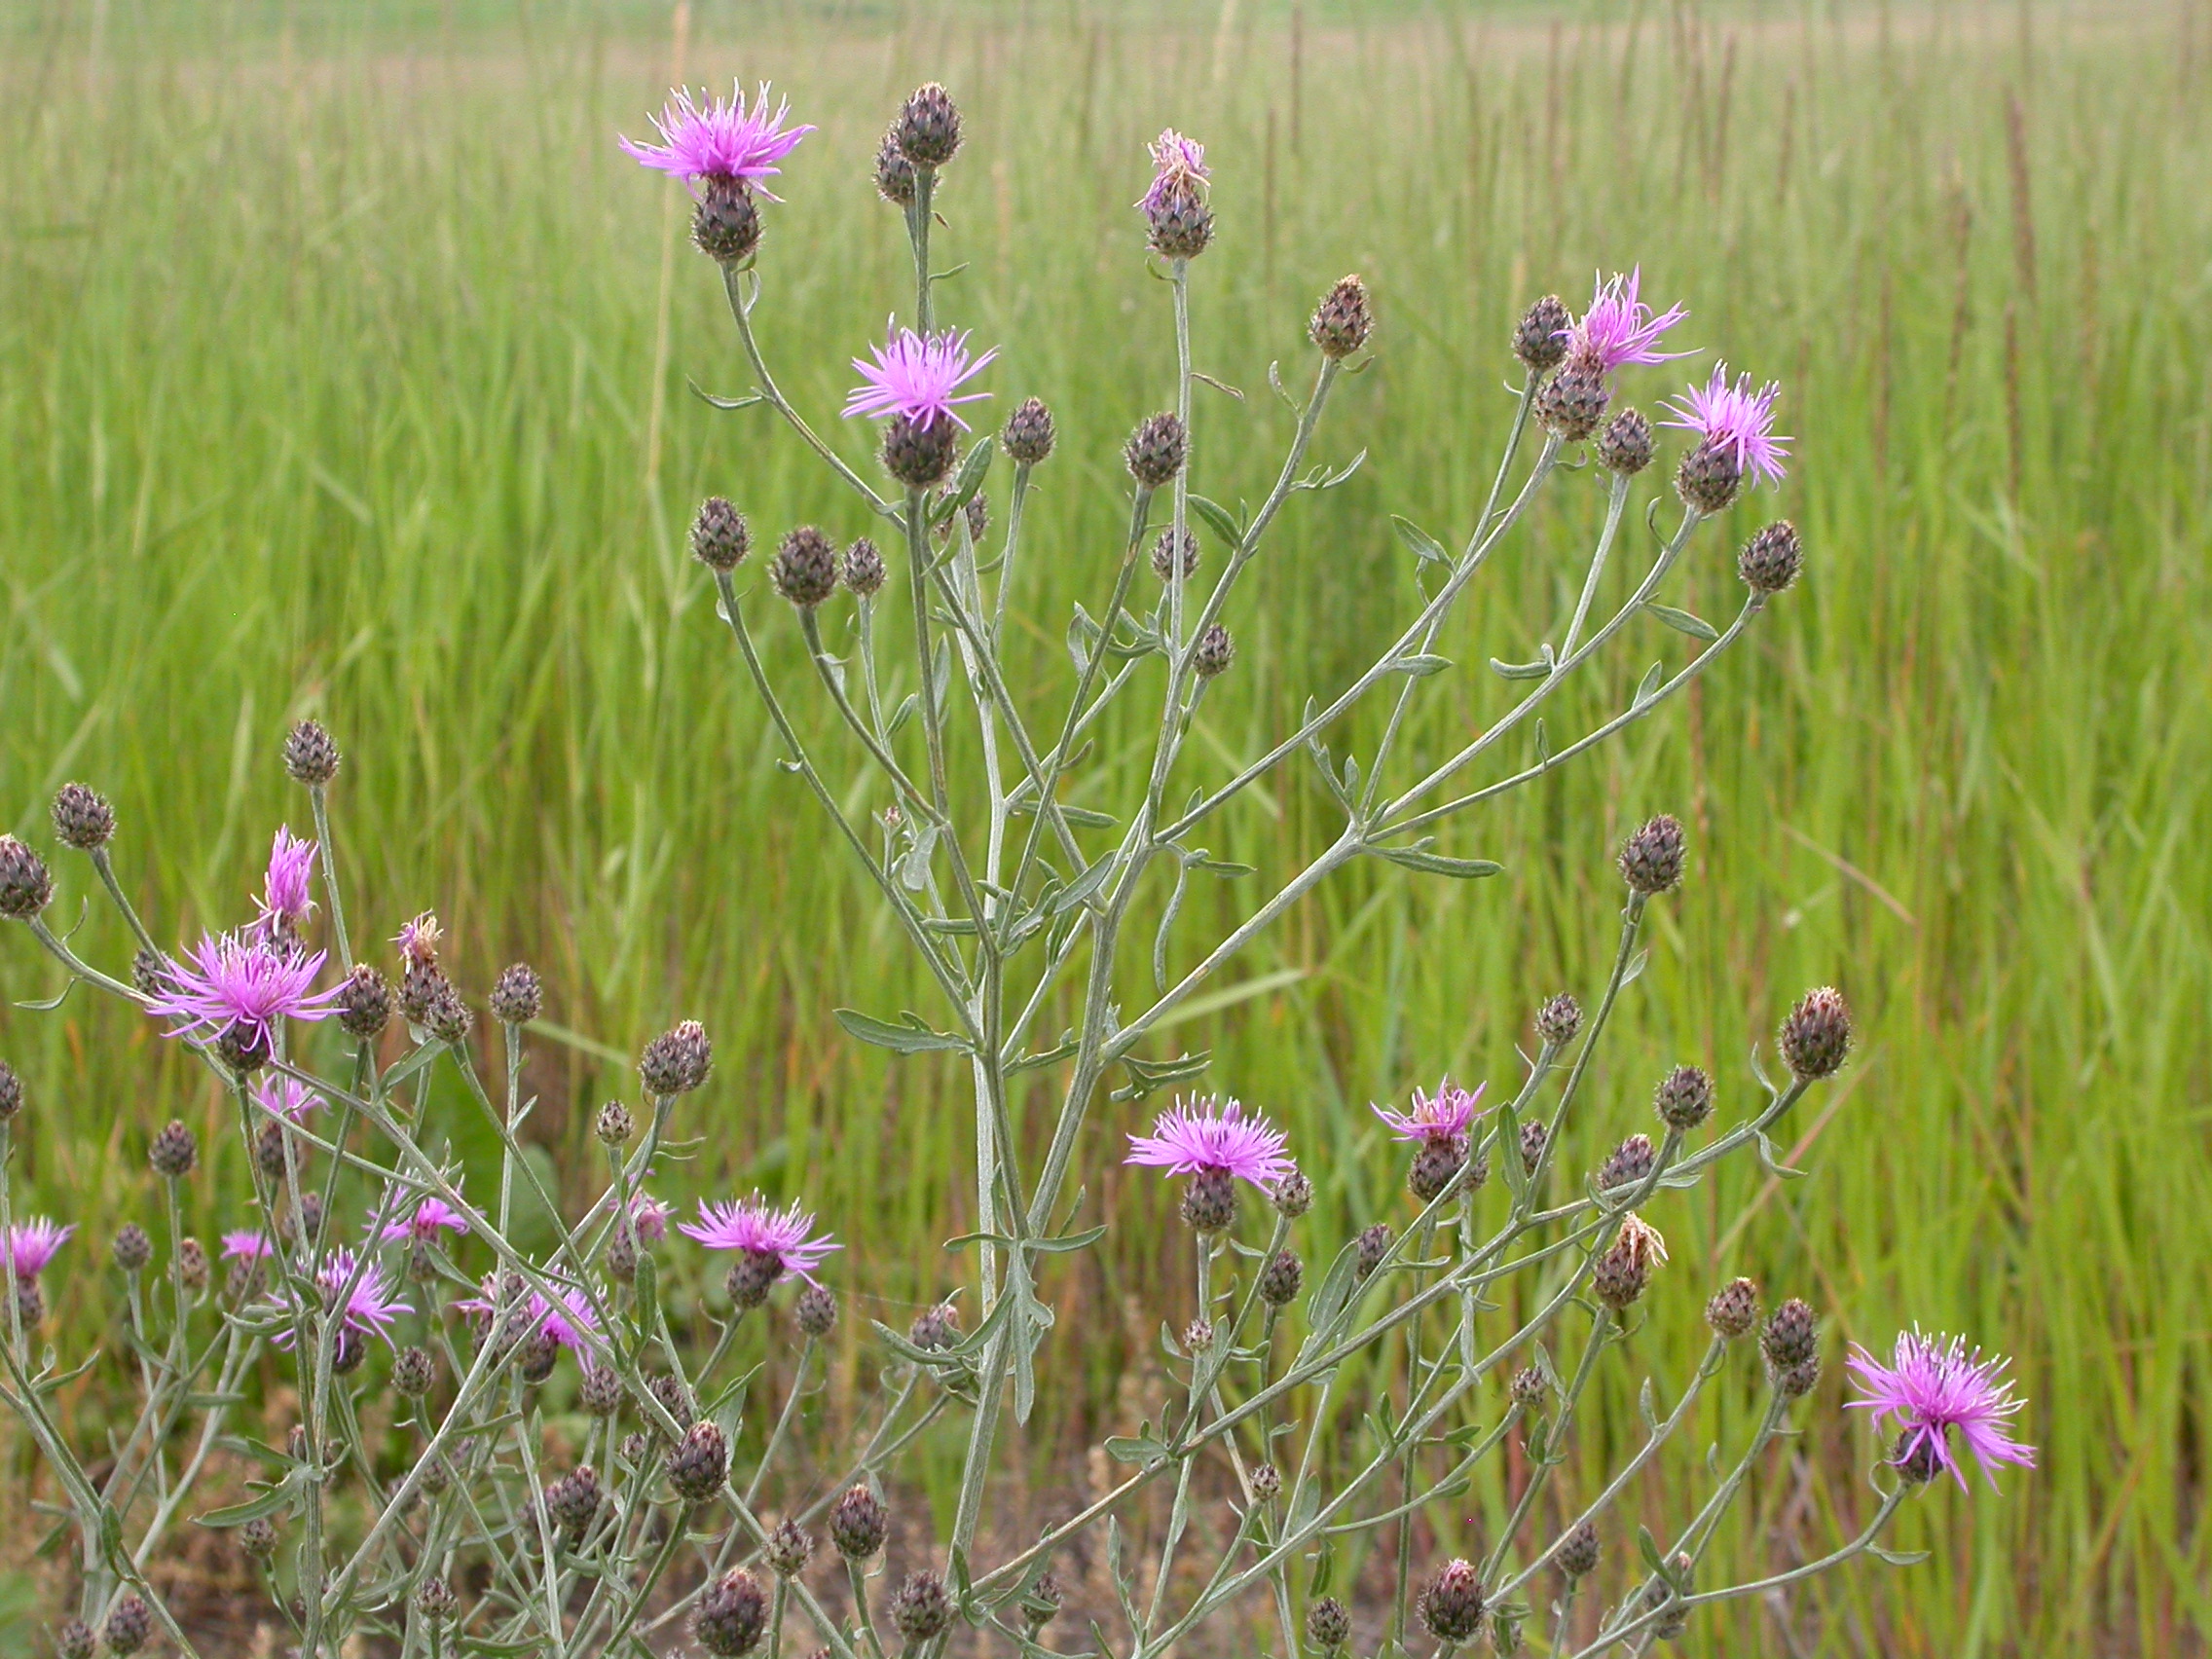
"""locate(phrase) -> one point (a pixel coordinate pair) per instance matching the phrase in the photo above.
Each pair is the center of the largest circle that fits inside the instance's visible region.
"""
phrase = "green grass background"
(343, 366)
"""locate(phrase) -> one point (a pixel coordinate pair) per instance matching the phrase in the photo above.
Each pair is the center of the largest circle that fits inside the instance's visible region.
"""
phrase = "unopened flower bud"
(1792, 1336)
(1213, 653)
(11, 1093)
(1157, 449)
(1539, 340)
(700, 1464)
(173, 1151)
(790, 1548)
(1815, 1038)
(1624, 446)
(613, 1125)
(1651, 859)
(817, 1311)
(676, 1061)
(258, 1538)
(732, 1613)
(1577, 1553)
(894, 173)
(1165, 562)
(26, 886)
(602, 1393)
(671, 1396)
(1178, 223)
(573, 1503)
(1573, 402)
(725, 224)
(364, 1003)
(1267, 1483)
(1281, 1280)
(927, 128)
(1328, 1625)
(864, 570)
(82, 818)
(1292, 1196)
(1374, 1244)
(437, 1600)
(133, 1248)
(1534, 1134)
(804, 570)
(448, 1020)
(1028, 436)
(1452, 1606)
(859, 1524)
(1628, 1165)
(75, 1641)
(413, 1371)
(977, 513)
(1530, 1388)
(1734, 1310)
(935, 1328)
(919, 455)
(719, 535)
(1343, 320)
(310, 756)
(1198, 1336)
(1209, 1202)
(129, 1622)
(921, 1609)
(1043, 1603)
(1684, 1099)
(1770, 560)
(517, 996)
(1558, 1019)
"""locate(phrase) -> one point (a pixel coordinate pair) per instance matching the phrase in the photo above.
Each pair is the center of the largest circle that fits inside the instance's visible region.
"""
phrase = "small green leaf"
(1419, 667)
(1897, 1557)
(1424, 546)
(1682, 622)
(1520, 670)
(1218, 520)
(1649, 689)
(1141, 1450)
(913, 1036)
(1436, 863)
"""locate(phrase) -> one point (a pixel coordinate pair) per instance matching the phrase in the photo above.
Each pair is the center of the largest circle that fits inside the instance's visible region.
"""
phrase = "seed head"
(789, 1547)
(26, 885)
(894, 173)
(1343, 321)
(927, 128)
(1209, 1202)
(1709, 476)
(1577, 1553)
(804, 570)
(725, 225)
(700, 1464)
(1539, 340)
(129, 1624)
(1164, 554)
(133, 1248)
(1328, 1625)
(83, 819)
(1372, 1245)
(1574, 400)
(1684, 1099)
(437, 1600)
(413, 1372)
(1281, 1280)
(1214, 651)
(863, 570)
(917, 455)
(921, 1608)
(1734, 1309)
(817, 1311)
(310, 756)
(173, 1151)
(1651, 860)
(1628, 1165)
(1157, 449)
(1292, 1196)
(1452, 1606)
(364, 1003)
(859, 1524)
(613, 1126)
(1530, 1388)
(11, 1093)
(719, 535)
(75, 1641)
(1028, 437)
(1624, 1270)
(732, 1613)
(676, 1061)
(258, 1538)
(935, 1328)
(1770, 560)
(1624, 446)
(1816, 1036)
(517, 996)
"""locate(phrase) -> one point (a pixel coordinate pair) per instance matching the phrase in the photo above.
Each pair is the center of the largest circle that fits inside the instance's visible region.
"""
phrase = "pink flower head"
(33, 1243)
(241, 983)
(916, 374)
(419, 938)
(1177, 163)
(1209, 1135)
(560, 1322)
(287, 897)
(371, 1307)
(429, 1215)
(751, 1225)
(1440, 1119)
(1620, 328)
(648, 1217)
(286, 1098)
(720, 140)
(1933, 1385)
(247, 1247)
(1736, 418)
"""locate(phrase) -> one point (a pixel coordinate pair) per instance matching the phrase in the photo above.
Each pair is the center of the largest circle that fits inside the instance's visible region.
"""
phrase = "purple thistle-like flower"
(373, 1305)
(288, 895)
(429, 1215)
(419, 938)
(648, 1217)
(751, 1224)
(1438, 1119)
(230, 982)
(720, 140)
(1176, 161)
(916, 374)
(562, 1321)
(247, 1247)
(33, 1243)
(287, 1099)
(1737, 419)
(1209, 1135)
(1620, 328)
(1934, 1384)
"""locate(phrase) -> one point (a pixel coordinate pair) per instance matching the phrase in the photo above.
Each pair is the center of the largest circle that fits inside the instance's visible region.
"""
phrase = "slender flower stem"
(106, 869)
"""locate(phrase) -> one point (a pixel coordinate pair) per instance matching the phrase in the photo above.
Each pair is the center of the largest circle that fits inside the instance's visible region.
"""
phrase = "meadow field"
(345, 370)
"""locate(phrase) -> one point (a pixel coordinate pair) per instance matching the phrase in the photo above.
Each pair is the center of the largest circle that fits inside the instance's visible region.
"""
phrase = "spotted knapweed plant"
(413, 1490)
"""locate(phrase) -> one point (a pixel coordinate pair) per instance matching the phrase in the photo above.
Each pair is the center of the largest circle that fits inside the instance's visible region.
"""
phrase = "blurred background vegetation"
(344, 369)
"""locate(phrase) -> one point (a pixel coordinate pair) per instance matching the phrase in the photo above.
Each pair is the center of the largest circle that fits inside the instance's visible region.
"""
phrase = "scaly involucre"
(754, 1225)
(916, 376)
(234, 982)
(1737, 419)
(1934, 1385)
(1619, 328)
(715, 139)
(1207, 1136)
